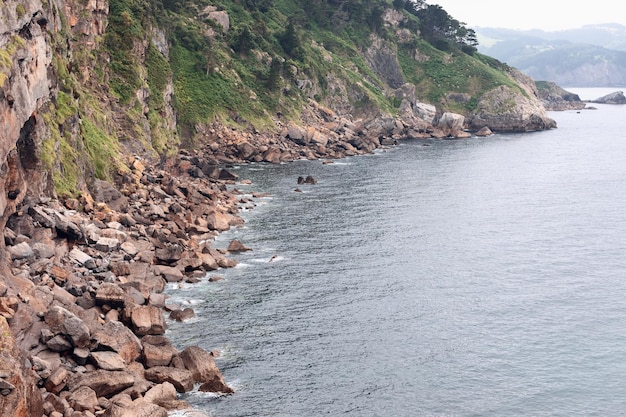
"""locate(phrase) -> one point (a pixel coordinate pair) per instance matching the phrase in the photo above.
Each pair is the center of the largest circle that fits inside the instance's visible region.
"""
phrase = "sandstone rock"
(218, 221)
(237, 246)
(43, 250)
(161, 393)
(56, 382)
(155, 354)
(109, 361)
(182, 315)
(169, 254)
(104, 383)
(112, 295)
(203, 368)
(170, 274)
(129, 248)
(66, 227)
(59, 344)
(147, 320)
(182, 379)
(118, 338)
(83, 399)
(40, 216)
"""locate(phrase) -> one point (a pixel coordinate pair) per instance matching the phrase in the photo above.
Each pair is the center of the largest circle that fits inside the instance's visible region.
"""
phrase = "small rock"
(237, 246)
(182, 315)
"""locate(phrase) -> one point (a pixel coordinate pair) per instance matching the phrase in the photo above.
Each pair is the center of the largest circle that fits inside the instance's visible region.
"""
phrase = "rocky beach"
(83, 289)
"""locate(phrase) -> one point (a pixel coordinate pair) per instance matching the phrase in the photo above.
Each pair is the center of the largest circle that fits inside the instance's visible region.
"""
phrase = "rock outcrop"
(614, 98)
(555, 98)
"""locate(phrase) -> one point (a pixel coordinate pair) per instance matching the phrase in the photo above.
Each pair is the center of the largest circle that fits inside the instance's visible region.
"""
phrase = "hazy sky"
(533, 14)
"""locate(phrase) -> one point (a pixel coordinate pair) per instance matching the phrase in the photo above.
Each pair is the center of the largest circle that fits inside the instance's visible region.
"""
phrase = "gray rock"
(82, 258)
(21, 251)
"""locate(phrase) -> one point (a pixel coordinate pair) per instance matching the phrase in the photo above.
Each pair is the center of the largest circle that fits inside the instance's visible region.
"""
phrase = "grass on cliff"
(436, 74)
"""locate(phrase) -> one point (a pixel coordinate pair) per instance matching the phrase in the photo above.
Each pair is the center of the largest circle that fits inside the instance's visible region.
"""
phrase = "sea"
(474, 277)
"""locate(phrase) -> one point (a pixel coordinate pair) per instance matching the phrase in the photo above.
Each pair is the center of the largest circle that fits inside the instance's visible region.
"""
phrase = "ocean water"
(479, 277)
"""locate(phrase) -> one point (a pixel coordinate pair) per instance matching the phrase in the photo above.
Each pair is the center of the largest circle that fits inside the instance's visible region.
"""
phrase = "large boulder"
(147, 320)
(203, 368)
(118, 338)
(157, 351)
(182, 379)
(104, 383)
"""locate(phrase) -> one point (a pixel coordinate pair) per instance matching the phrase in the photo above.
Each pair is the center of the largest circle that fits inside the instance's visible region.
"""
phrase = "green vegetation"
(275, 55)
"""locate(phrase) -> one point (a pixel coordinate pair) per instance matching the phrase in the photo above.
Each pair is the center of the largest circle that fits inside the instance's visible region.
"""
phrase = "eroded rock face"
(22, 397)
(505, 110)
(616, 97)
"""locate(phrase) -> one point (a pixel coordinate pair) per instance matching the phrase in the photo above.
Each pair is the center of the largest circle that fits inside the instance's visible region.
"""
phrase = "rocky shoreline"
(82, 307)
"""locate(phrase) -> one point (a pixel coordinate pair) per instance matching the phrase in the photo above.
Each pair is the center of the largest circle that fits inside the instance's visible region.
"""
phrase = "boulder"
(107, 244)
(104, 383)
(118, 338)
(109, 361)
(484, 132)
(77, 331)
(218, 221)
(21, 251)
(147, 320)
(237, 246)
(82, 258)
(83, 399)
(161, 393)
(182, 379)
(203, 368)
(158, 354)
(170, 274)
(57, 380)
(67, 228)
(182, 315)
(112, 295)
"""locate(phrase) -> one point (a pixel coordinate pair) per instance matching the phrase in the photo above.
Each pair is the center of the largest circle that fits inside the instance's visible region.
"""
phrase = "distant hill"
(591, 56)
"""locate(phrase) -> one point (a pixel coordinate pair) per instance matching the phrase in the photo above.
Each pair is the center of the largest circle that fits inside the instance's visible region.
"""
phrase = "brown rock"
(157, 351)
(118, 338)
(182, 315)
(112, 295)
(104, 383)
(83, 399)
(147, 320)
(56, 382)
(218, 221)
(237, 246)
(182, 379)
(170, 274)
(203, 368)
(161, 393)
(109, 361)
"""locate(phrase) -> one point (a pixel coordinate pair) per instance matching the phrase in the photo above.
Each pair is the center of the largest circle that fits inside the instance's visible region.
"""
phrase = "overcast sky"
(533, 14)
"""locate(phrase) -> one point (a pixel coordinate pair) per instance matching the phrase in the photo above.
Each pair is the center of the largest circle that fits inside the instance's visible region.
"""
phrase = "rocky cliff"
(92, 92)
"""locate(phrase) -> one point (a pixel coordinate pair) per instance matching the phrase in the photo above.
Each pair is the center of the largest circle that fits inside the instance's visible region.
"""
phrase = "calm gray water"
(481, 277)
